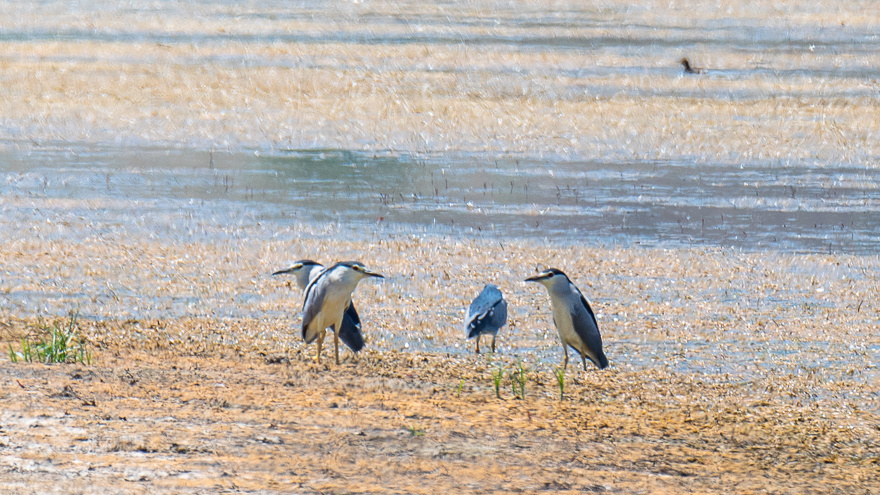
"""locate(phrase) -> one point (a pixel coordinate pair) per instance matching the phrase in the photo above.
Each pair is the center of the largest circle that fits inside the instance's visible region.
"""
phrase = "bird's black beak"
(373, 274)
(288, 270)
(533, 279)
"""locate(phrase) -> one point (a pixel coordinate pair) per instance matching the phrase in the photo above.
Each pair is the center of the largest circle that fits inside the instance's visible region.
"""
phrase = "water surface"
(799, 208)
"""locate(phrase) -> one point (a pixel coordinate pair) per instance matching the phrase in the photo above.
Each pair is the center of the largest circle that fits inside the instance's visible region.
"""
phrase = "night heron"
(350, 332)
(487, 314)
(573, 317)
(328, 297)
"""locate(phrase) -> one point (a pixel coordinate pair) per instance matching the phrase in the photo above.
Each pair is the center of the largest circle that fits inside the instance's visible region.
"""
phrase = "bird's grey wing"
(499, 316)
(350, 331)
(480, 309)
(587, 328)
(589, 309)
(314, 299)
(352, 314)
(585, 323)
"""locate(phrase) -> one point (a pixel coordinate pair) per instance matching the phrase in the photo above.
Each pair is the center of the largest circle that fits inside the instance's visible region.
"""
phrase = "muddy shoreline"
(392, 422)
(766, 394)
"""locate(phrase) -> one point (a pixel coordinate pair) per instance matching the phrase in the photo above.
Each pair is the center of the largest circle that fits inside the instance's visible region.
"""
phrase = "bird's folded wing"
(311, 307)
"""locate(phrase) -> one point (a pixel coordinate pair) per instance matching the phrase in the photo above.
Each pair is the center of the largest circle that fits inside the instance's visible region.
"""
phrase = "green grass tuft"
(59, 342)
(497, 375)
(560, 380)
(518, 378)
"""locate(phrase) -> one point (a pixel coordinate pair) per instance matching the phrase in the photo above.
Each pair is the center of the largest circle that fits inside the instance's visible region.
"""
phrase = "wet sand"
(732, 371)
(163, 421)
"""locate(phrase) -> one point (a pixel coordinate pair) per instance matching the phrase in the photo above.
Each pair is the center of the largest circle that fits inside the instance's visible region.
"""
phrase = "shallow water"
(797, 208)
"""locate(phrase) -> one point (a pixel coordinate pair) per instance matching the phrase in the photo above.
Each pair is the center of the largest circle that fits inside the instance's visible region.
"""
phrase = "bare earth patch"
(730, 370)
(392, 422)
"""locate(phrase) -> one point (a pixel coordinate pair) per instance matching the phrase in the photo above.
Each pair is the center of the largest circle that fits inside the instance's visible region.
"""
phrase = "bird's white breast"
(561, 296)
(338, 288)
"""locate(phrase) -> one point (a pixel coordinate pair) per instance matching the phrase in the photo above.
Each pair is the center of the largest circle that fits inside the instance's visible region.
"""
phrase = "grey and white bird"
(573, 317)
(350, 334)
(328, 297)
(487, 314)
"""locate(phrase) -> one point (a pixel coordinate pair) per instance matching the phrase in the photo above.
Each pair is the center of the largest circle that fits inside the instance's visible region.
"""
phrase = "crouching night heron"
(350, 332)
(573, 317)
(487, 314)
(328, 297)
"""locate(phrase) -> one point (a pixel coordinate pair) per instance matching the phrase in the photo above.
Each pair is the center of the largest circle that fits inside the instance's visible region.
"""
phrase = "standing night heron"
(328, 297)
(573, 317)
(350, 332)
(487, 314)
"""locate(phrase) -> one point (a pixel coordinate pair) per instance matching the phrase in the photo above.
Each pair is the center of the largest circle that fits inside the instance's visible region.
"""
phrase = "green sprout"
(560, 380)
(55, 343)
(497, 375)
(518, 378)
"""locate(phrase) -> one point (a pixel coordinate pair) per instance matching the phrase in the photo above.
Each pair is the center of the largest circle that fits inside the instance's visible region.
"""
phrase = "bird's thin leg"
(493, 344)
(565, 362)
(336, 341)
(320, 343)
(584, 357)
(478, 343)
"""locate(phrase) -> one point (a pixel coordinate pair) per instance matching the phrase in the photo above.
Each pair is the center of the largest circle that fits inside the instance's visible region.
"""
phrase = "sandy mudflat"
(706, 392)
(160, 422)
(787, 82)
(732, 371)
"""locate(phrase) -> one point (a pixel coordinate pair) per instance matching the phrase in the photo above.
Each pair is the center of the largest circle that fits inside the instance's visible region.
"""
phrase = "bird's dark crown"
(351, 264)
(358, 267)
(548, 273)
(307, 263)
